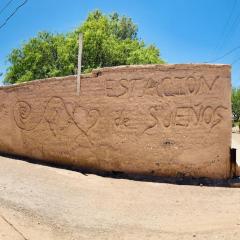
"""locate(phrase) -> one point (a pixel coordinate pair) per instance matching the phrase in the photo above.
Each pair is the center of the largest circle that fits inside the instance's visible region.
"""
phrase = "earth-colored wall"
(166, 120)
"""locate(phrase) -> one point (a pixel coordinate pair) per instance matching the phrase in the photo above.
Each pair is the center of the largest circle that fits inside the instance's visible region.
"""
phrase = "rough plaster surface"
(165, 120)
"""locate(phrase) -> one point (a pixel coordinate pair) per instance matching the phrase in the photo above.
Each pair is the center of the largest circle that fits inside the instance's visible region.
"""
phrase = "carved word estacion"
(165, 87)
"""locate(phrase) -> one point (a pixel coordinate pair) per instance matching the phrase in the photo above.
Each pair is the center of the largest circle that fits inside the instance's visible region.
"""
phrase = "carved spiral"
(24, 116)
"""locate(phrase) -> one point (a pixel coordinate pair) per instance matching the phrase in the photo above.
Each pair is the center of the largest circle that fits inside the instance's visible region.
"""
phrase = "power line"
(233, 28)
(12, 14)
(224, 32)
(5, 6)
(228, 28)
(224, 55)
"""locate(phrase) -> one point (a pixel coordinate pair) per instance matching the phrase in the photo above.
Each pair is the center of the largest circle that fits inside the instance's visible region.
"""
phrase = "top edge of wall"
(159, 66)
(122, 68)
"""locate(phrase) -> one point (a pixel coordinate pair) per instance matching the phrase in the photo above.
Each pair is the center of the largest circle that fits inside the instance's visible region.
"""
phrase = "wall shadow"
(179, 180)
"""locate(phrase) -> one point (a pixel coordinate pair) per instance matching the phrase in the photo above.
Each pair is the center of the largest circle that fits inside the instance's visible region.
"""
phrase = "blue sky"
(185, 30)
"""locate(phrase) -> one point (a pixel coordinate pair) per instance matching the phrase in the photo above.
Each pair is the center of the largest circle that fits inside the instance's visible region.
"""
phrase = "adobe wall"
(165, 120)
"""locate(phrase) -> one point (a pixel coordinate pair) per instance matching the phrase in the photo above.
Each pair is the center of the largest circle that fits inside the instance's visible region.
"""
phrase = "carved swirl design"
(25, 117)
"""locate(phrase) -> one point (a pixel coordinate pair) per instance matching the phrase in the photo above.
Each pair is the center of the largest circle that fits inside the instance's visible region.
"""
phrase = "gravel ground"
(40, 202)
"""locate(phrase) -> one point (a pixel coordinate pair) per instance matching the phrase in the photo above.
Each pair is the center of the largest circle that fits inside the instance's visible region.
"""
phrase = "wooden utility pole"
(80, 45)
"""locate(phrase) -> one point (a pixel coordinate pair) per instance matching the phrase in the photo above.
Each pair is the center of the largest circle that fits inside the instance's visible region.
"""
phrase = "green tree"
(109, 40)
(236, 104)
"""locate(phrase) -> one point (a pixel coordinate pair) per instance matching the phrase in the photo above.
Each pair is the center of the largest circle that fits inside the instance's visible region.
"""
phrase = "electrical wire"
(233, 28)
(224, 55)
(12, 14)
(5, 6)
(224, 32)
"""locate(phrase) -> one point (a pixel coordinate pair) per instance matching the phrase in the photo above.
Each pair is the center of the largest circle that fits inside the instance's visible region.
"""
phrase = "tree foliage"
(109, 40)
(236, 104)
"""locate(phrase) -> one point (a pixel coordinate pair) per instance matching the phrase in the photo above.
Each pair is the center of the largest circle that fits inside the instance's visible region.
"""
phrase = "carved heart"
(85, 119)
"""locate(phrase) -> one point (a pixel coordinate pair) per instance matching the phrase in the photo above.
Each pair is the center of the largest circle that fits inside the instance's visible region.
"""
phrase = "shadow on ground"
(179, 180)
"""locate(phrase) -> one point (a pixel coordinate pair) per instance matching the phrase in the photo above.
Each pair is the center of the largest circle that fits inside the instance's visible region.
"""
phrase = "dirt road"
(40, 202)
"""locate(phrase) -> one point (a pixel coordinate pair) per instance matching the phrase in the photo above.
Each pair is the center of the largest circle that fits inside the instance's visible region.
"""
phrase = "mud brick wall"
(165, 120)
